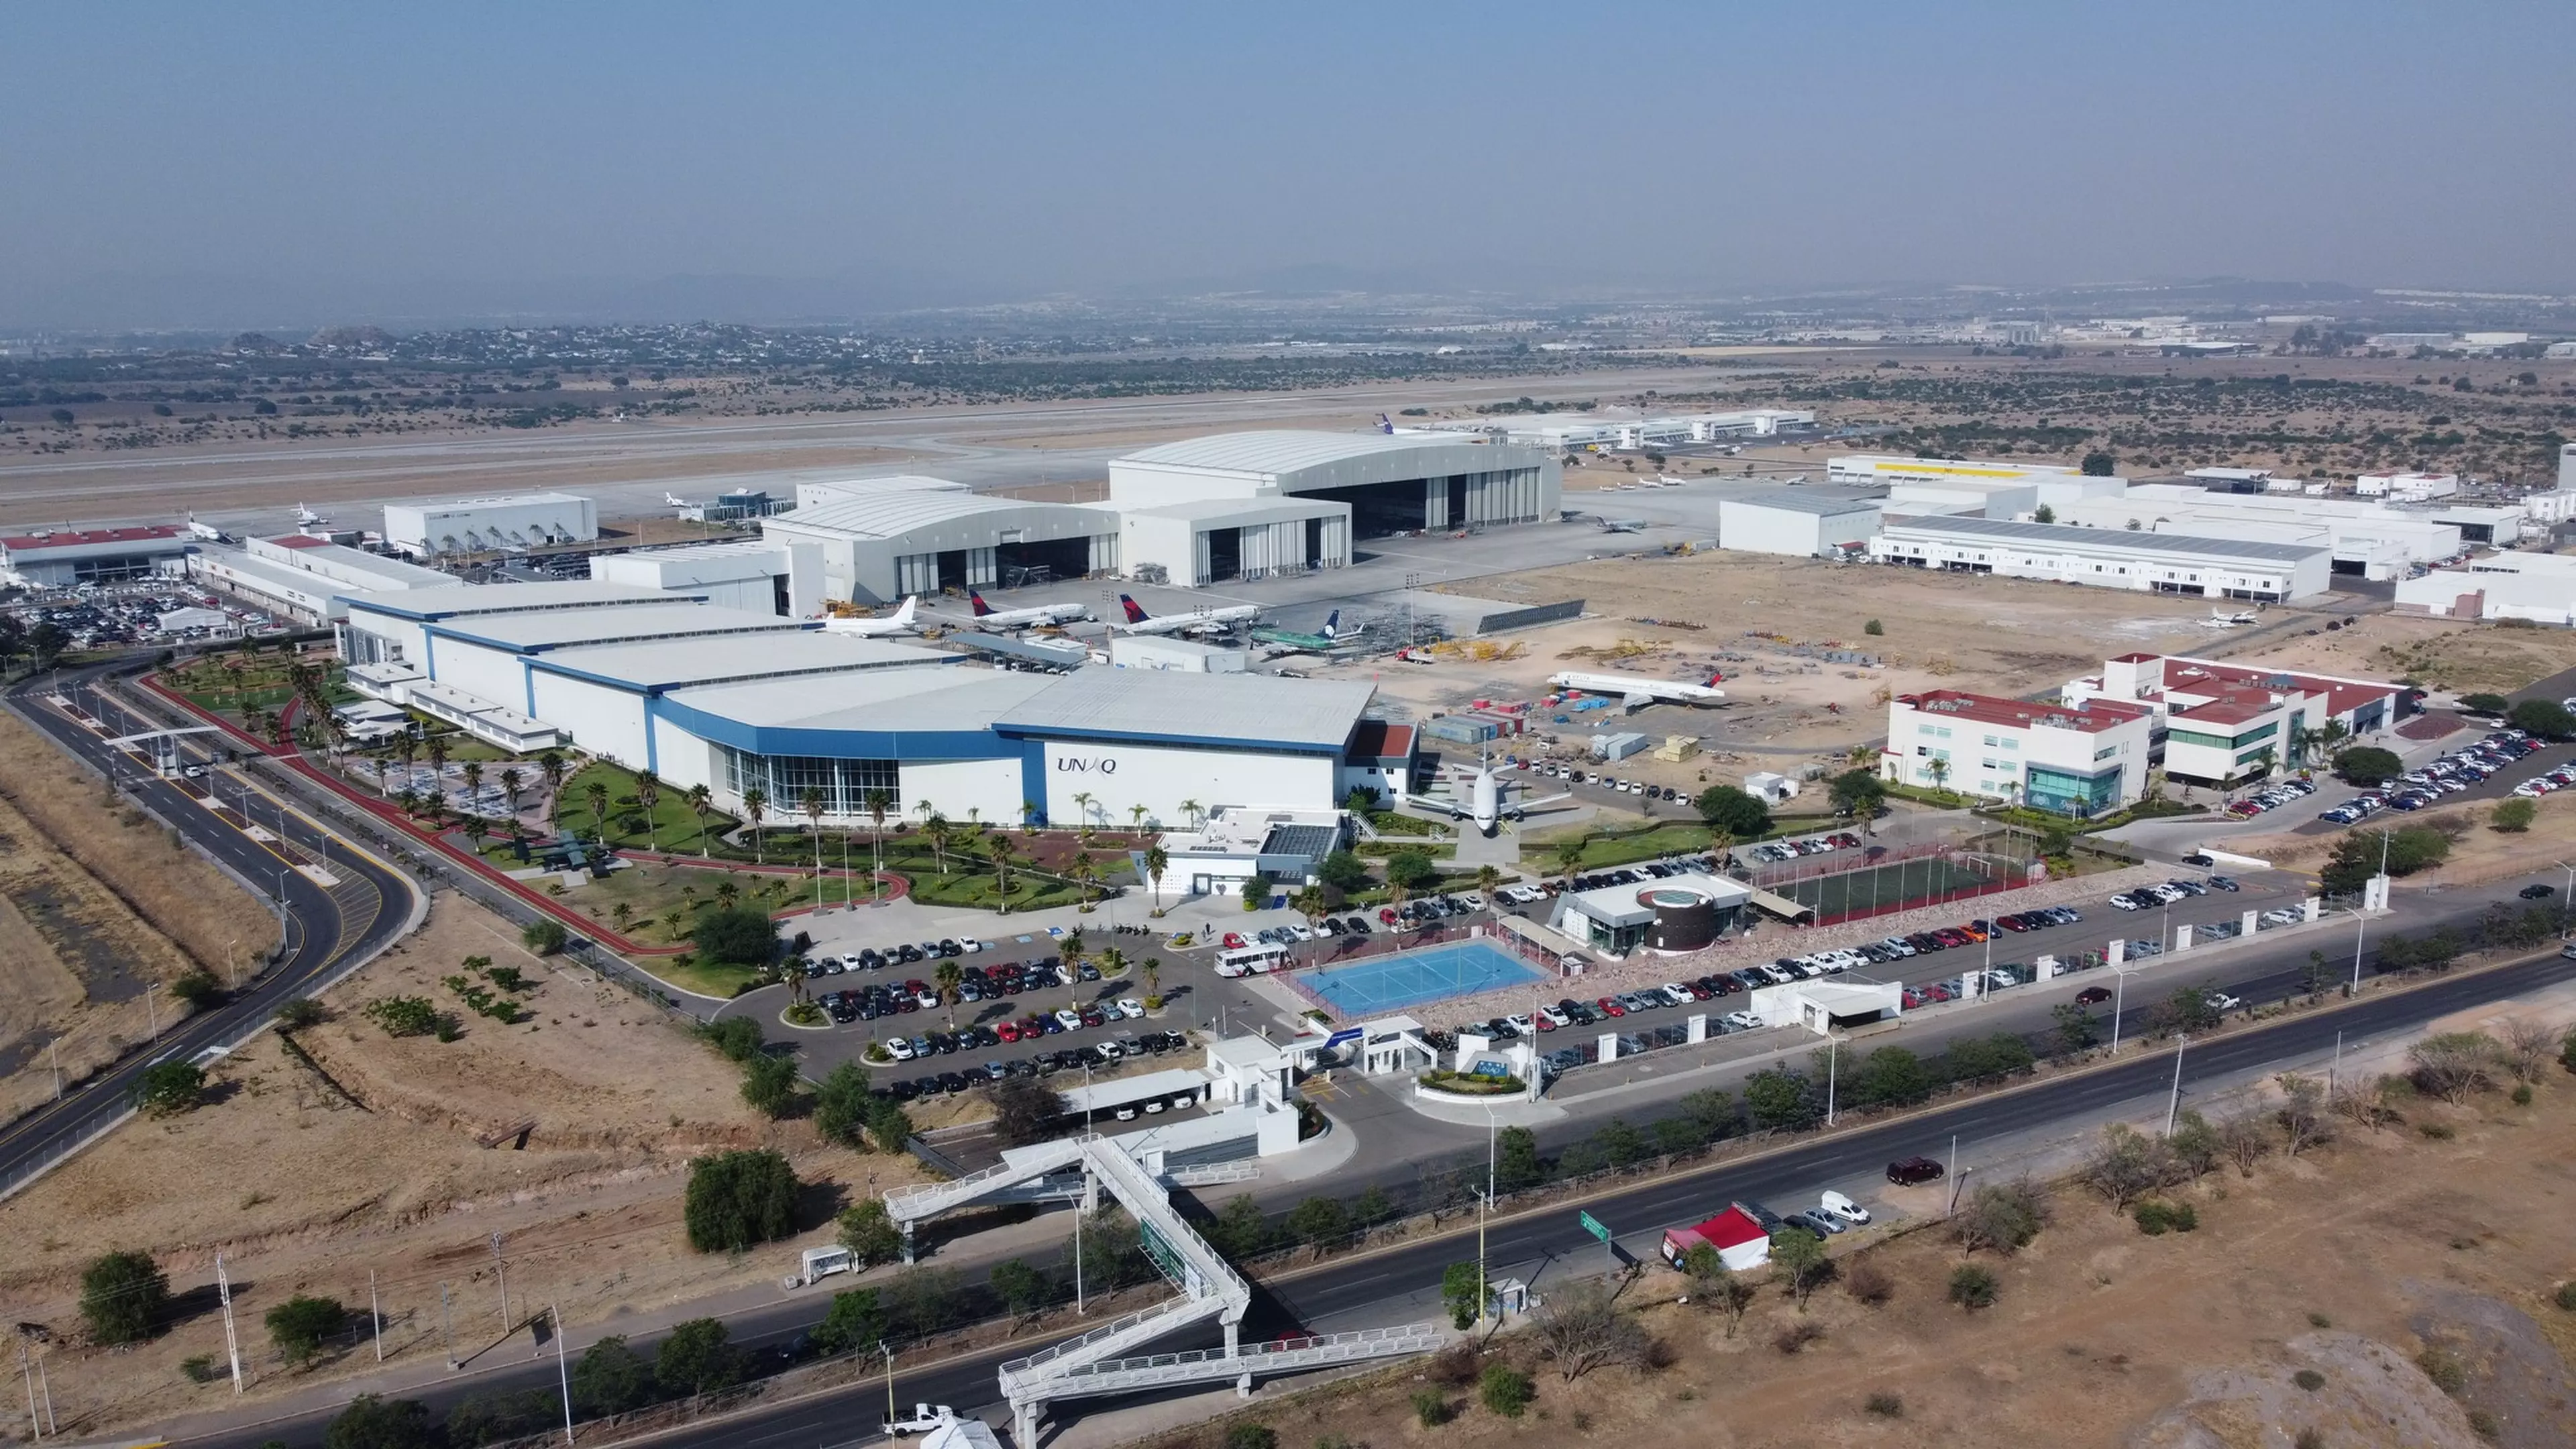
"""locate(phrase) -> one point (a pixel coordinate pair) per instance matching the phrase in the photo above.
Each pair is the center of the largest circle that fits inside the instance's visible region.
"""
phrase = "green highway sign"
(1593, 1226)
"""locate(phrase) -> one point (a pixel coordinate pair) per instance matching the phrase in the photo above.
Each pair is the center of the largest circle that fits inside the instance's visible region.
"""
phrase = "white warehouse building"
(301, 578)
(2217, 568)
(736, 700)
(781, 576)
(480, 525)
(878, 547)
(1800, 523)
(1389, 483)
(2540, 587)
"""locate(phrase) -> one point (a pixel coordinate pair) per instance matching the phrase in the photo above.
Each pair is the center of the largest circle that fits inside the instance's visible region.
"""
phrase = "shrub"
(1430, 1409)
(1251, 1436)
(500, 1415)
(737, 1199)
(738, 1037)
(300, 1325)
(1885, 1405)
(2444, 1370)
(1972, 1287)
(2512, 817)
(124, 1297)
(1456, 1366)
(166, 1089)
(2485, 1424)
(1867, 1282)
(1504, 1389)
(200, 1368)
(372, 1422)
(734, 936)
(698, 1357)
(2309, 1379)
(841, 1104)
(870, 1233)
(769, 1085)
(2156, 1216)
(545, 936)
(2309, 1438)
(611, 1378)
(200, 988)
(403, 1015)
(2565, 1297)
(1873, 628)
(298, 1013)
(1798, 1335)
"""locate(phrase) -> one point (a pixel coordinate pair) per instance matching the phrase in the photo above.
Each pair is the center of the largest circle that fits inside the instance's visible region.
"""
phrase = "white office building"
(1802, 523)
(2540, 587)
(300, 578)
(2080, 759)
(2221, 724)
(72, 557)
(490, 525)
(1609, 432)
(2407, 487)
(2217, 568)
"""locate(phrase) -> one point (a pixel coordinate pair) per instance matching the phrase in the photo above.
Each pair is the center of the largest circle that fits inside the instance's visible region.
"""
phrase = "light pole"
(2173, 1104)
(2564, 899)
(1485, 1208)
(2119, 998)
(1833, 1057)
(888, 1350)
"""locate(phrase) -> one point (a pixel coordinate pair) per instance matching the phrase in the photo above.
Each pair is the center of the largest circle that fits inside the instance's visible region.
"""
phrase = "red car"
(1610, 1006)
(1387, 915)
(1007, 1031)
(1234, 940)
(1953, 936)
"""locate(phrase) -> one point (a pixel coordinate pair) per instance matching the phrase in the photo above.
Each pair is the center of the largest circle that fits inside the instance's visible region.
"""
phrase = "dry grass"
(306, 1178)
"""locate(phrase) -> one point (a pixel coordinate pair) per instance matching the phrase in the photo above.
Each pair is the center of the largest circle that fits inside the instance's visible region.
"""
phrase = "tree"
(2546, 718)
(2453, 1066)
(1504, 1390)
(1516, 1160)
(1320, 1222)
(698, 1357)
(1890, 1077)
(1939, 769)
(2303, 1113)
(166, 1089)
(998, 850)
(2513, 816)
(735, 936)
(1411, 869)
(2125, 1165)
(2494, 704)
(737, 1199)
(2099, 464)
(1025, 1111)
(1972, 1287)
(374, 1422)
(1798, 1257)
(1022, 1289)
(1779, 1100)
(124, 1297)
(1157, 861)
(1715, 1287)
(611, 1378)
(1582, 1327)
(648, 794)
(1732, 810)
(889, 1126)
(736, 1038)
(1343, 870)
(769, 1084)
(702, 804)
(499, 1415)
(595, 792)
(2075, 1028)
(2357, 856)
(544, 937)
(856, 1321)
(300, 1326)
(199, 988)
(2368, 765)
(755, 803)
(1858, 792)
(2003, 1216)
(1462, 1291)
(841, 1105)
(871, 1233)
(2043, 514)
(2189, 1009)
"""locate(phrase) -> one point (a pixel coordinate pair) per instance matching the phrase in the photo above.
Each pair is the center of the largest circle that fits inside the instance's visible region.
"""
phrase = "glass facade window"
(843, 784)
(2070, 793)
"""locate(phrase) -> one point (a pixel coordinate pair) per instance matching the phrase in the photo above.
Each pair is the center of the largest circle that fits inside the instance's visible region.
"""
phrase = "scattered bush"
(2436, 1131)
(1430, 1409)
(199, 988)
(1251, 1436)
(373, 1422)
(2485, 1424)
(1885, 1405)
(1867, 1282)
(124, 1297)
(2319, 1320)
(300, 1325)
(769, 1085)
(2565, 1297)
(1796, 1336)
(544, 937)
(298, 1013)
(2309, 1438)
(738, 1037)
(2444, 1370)
(2309, 1379)
(403, 1015)
(166, 1089)
(738, 1199)
(698, 1357)
(1504, 1390)
(2156, 1217)
(1455, 1366)
(734, 936)
(200, 1368)
(2003, 1216)
(1972, 1287)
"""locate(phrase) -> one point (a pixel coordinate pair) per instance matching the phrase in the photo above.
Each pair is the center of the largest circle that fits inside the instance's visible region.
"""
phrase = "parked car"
(1844, 1208)
(1914, 1171)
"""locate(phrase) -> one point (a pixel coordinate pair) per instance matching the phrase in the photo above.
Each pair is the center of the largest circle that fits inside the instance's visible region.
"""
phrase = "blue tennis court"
(1410, 978)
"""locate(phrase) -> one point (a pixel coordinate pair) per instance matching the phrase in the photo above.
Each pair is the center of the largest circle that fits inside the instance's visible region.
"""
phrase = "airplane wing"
(1525, 806)
(1452, 808)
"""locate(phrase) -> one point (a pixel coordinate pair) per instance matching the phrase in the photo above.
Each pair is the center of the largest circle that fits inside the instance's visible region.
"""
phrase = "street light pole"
(2119, 998)
(1833, 1057)
(2173, 1104)
(1485, 1210)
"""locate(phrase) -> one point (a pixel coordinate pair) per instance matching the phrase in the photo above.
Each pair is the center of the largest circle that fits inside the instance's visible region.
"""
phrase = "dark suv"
(1913, 1171)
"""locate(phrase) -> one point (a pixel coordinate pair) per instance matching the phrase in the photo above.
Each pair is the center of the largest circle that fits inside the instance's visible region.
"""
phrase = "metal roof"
(958, 698)
(2065, 536)
(666, 663)
(894, 514)
(1222, 511)
(1287, 450)
(557, 628)
(480, 599)
(1823, 505)
(1252, 709)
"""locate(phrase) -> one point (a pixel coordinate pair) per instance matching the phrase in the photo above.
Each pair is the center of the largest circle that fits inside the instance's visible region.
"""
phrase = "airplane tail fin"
(976, 597)
(1333, 625)
(904, 614)
(1383, 425)
(1135, 615)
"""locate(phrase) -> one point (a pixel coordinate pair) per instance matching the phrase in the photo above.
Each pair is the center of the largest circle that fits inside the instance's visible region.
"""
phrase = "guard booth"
(1393, 1044)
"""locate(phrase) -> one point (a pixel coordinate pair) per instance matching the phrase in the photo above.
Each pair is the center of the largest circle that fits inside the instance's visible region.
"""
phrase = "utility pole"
(26, 1370)
(1833, 1056)
(888, 1350)
(45, 1386)
(375, 1316)
(2334, 1066)
(53, 1053)
(232, 1340)
(563, 1372)
(447, 1326)
(2173, 1104)
(501, 1267)
(1485, 1212)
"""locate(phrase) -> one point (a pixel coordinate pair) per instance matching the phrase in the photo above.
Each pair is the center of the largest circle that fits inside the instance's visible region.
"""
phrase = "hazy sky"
(397, 160)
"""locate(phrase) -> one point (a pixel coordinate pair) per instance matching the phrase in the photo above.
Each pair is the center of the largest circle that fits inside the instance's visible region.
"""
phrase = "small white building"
(1770, 787)
(2081, 759)
(1164, 651)
(1672, 915)
(2540, 587)
(490, 525)
(194, 619)
(2212, 567)
(781, 577)
(1826, 1007)
(1798, 523)
(2407, 487)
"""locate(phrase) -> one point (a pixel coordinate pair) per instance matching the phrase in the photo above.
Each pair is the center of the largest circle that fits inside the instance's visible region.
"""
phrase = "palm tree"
(1310, 904)
(755, 801)
(1085, 872)
(436, 748)
(648, 793)
(702, 803)
(621, 913)
(596, 792)
(937, 828)
(1082, 804)
(512, 784)
(879, 804)
(1136, 817)
(1196, 812)
(1153, 977)
(998, 849)
(473, 784)
(1028, 815)
(1939, 770)
(408, 801)
(1157, 860)
(1569, 855)
(550, 769)
(951, 977)
(1487, 880)
(811, 802)
(406, 749)
(1073, 948)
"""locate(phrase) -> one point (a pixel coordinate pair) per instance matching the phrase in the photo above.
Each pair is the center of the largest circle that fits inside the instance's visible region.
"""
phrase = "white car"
(923, 1419)
(1556, 1015)
(1521, 1024)
(1069, 1019)
(1677, 993)
(899, 1048)
(969, 945)
(1742, 1021)
(2221, 1001)
(1130, 1007)
(1844, 1208)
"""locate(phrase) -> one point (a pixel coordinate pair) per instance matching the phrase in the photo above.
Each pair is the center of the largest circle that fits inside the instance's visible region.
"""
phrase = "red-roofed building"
(96, 555)
(2076, 760)
(1740, 1241)
(1379, 757)
(2222, 724)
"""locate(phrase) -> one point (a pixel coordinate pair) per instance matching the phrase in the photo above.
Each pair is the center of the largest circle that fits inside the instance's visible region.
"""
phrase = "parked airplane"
(1289, 641)
(898, 622)
(1140, 622)
(1484, 803)
(2217, 620)
(1637, 689)
(1033, 618)
(307, 518)
(1621, 525)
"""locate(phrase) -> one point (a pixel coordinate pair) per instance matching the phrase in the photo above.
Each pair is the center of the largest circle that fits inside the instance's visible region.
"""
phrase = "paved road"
(1402, 1284)
(329, 928)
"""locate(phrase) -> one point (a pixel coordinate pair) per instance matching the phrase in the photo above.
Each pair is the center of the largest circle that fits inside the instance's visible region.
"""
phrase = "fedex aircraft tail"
(1383, 425)
(1135, 615)
(1333, 625)
(976, 597)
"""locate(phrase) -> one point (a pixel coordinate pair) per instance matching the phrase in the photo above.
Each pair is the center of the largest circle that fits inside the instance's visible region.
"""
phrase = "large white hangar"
(879, 547)
(1398, 483)
(737, 701)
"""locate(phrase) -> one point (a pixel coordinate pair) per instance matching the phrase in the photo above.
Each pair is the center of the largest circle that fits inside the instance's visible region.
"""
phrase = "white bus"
(1251, 961)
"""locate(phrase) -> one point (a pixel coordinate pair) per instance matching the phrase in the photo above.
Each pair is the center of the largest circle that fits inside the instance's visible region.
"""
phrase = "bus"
(1251, 961)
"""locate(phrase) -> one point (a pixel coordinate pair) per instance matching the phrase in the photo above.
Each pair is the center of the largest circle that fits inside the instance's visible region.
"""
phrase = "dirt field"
(2346, 1262)
(307, 1176)
(1999, 636)
(2478, 853)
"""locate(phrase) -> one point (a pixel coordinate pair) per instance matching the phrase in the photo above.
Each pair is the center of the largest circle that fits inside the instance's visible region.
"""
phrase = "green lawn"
(673, 826)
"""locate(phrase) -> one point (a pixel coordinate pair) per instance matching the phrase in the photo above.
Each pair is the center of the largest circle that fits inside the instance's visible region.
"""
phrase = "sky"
(213, 163)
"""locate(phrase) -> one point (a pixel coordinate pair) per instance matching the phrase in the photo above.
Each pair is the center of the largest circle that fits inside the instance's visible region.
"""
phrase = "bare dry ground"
(306, 1174)
(2479, 852)
(2347, 1263)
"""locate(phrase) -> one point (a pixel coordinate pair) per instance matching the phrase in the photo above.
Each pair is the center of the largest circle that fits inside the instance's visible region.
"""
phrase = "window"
(2011, 744)
(2106, 752)
(2195, 737)
(1990, 742)
(843, 784)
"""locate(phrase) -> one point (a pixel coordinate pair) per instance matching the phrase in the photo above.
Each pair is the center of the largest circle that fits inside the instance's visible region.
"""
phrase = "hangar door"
(1037, 561)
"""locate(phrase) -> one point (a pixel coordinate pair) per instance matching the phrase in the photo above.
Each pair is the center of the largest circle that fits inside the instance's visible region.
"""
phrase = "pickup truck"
(922, 1419)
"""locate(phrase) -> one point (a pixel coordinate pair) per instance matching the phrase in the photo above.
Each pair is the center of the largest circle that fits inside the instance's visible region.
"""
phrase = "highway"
(329, 927)
(1401, 1282)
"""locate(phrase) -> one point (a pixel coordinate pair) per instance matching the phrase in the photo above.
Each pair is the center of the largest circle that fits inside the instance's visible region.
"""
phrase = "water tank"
(1686, 918)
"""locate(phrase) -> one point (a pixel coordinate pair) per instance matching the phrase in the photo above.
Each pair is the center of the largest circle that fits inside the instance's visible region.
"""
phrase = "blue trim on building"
(528, 677)
(652, 739)
(899, 745)
(1033, 778)
(551, 666)
(1195, 742)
